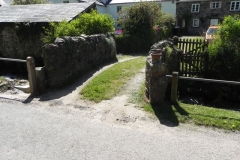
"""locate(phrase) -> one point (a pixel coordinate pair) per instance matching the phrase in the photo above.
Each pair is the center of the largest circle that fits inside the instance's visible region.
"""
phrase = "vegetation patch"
(86, 23)
(186, 113)
(108, 83)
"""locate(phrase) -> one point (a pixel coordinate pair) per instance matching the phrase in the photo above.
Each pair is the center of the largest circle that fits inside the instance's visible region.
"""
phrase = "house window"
(215, 5)
(235, 6)
(119, 8)
(65, 1)
(195, 22)
(195, 8)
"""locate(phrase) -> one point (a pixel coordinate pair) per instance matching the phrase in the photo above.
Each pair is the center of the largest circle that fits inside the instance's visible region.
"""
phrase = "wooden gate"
(194, 59)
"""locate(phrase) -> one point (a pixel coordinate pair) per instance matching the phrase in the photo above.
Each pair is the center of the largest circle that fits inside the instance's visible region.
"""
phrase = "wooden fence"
(194, 61)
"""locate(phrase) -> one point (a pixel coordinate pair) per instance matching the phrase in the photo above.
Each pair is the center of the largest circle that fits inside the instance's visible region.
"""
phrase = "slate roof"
(43, 12)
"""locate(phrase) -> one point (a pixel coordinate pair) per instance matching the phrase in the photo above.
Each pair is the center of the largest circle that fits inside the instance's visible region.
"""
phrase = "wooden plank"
(190, 66)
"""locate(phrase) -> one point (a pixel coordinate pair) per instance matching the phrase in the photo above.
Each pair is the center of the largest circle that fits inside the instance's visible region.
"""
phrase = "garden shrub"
(224, 62)
(224, 51)
(143, 24)
(86, 23)
(138, 22)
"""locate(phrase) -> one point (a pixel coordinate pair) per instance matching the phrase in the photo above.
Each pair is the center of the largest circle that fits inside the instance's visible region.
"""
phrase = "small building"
(195, 16)
(21, 26)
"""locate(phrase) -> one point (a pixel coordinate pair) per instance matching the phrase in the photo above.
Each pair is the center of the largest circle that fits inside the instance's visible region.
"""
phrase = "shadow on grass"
(166, 114)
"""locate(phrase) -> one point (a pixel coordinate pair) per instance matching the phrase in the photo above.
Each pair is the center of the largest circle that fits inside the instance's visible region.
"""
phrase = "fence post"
(175, 40)
(31, 74)
(40, 78)
(174, 87)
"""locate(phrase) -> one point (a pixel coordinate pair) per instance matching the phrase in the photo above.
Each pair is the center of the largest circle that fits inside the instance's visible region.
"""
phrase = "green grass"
(196, 114)
(108, 83)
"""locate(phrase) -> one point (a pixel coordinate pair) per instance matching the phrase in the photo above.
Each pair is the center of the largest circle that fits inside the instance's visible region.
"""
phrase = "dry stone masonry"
(69, 57)
(156, 70)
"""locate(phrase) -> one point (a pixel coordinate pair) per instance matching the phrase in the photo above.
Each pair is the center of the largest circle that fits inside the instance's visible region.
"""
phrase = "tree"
(138, 22)
(25, 2)
(140, 18)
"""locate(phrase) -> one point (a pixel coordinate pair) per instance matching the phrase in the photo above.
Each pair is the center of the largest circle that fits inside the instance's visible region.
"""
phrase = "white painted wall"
(168, 6)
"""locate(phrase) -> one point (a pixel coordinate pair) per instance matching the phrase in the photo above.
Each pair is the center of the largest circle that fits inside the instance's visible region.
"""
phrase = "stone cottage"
(21, 26)
(195, 16)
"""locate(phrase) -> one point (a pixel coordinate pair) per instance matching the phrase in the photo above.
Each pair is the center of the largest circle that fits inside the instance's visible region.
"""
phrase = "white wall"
(167, 6)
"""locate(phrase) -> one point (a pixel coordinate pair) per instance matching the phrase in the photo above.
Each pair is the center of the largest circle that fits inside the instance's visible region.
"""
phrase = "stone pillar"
(40, 75)
(156, 80)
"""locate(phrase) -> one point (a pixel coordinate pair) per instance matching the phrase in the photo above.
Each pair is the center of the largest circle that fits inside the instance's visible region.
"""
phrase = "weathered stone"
(170, 58)
(68, 57)
(156, 81)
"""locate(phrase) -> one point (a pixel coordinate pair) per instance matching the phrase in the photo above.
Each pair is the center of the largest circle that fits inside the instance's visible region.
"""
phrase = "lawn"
(109, 83)
(187, 113)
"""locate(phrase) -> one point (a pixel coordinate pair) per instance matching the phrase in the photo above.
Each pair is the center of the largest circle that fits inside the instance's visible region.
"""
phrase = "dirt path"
(116, 111)
(119, 110)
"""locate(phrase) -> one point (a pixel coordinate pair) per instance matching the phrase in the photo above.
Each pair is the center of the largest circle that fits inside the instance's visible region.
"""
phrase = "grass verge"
(174, 114)
(108, 83)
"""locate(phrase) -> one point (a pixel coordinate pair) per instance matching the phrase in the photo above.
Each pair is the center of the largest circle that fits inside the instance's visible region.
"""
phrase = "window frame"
(212, 6)
(194, 21)
(119, 8)
(235, 3)
(194, 8)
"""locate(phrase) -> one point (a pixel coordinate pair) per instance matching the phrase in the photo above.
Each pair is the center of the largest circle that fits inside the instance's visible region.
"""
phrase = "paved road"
(32, 131)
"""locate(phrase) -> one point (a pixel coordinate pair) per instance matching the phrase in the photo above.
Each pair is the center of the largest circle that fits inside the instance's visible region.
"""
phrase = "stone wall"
(183, 11)
(69, 57)
(21, 40)
(64, 59)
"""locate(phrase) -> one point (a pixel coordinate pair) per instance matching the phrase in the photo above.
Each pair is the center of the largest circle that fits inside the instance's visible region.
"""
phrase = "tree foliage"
(165, 19)
(86, 23)
(224, 51)
(140, 18)
(138, 22)
(25, 2)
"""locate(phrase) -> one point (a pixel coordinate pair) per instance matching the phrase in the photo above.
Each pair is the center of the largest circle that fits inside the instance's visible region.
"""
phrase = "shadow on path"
(166, 114)
(61, 92)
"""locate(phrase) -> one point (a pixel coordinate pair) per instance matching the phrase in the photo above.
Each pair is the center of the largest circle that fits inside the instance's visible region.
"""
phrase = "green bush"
(137, 22)
(224, 62)
(86, 23)
(224, 51)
